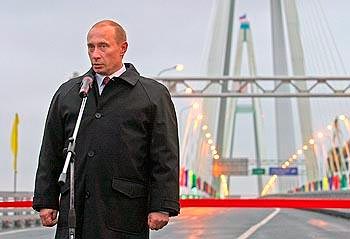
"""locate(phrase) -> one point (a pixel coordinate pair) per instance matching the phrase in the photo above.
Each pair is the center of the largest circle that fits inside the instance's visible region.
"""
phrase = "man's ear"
(124, 48)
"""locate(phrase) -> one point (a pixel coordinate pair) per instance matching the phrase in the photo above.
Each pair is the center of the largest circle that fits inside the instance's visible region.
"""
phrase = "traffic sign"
(293, 171)
(232, 167)
(258, 171)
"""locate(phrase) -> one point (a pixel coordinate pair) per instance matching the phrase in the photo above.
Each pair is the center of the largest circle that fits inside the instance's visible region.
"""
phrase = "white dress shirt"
(99, 78)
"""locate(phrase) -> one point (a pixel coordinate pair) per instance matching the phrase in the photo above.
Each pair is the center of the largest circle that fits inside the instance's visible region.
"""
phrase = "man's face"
(105, 52)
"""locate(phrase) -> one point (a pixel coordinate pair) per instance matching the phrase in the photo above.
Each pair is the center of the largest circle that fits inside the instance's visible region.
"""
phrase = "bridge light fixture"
(195, 105)
(342, 117)
(179, 67)
(188, 90)
(199, 117)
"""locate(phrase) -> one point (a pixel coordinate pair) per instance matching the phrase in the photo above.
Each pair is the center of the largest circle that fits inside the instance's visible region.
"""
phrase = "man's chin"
(99, 70)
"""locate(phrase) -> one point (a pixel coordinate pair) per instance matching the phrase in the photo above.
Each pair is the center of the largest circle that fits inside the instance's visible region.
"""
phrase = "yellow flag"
(14, 141)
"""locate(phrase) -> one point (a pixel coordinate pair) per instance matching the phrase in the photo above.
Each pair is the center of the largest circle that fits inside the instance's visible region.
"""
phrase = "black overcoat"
(127, 157)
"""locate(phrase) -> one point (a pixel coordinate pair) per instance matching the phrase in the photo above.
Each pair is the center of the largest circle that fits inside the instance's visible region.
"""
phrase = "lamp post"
(177, 67)
(168, 84)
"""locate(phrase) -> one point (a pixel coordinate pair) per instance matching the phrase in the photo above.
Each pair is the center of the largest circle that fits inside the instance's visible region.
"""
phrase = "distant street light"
(177, 67)
(170, 85)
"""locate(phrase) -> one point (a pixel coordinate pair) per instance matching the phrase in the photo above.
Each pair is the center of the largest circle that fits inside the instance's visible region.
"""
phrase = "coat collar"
(131, 75)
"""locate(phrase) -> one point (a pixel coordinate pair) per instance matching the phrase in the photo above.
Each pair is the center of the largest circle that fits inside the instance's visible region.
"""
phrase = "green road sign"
(258, 171)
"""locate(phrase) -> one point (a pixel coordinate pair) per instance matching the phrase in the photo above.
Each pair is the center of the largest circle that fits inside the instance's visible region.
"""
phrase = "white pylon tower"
(298, 69)
(234, 107)
(285, 136)
(218, 64)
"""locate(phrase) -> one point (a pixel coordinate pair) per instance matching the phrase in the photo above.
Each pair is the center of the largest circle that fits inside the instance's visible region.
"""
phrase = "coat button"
(91, 153)
(87, 194)
(98, 115)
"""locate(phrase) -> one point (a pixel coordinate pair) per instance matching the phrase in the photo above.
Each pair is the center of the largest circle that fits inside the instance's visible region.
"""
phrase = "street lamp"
(177, 67)
(171, 86)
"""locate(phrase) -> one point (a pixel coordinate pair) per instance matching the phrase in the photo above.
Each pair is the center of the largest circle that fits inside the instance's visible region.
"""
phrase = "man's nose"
(96, 54)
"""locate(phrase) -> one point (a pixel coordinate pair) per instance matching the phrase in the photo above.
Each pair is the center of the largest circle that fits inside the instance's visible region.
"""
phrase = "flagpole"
(15, 180)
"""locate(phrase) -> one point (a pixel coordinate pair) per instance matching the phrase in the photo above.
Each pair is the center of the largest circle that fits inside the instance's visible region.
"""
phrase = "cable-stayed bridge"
(228, 130)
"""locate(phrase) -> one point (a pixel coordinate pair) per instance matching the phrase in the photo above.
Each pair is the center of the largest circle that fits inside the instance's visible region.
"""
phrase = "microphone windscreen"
(86, 85)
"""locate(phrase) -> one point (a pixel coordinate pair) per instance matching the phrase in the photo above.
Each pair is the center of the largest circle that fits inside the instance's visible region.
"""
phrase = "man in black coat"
(127, 155)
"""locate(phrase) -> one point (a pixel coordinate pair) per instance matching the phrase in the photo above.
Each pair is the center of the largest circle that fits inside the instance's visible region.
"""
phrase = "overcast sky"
(44, 42)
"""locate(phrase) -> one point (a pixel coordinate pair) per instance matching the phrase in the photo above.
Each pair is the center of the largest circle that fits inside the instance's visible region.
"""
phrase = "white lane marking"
(254, 228)
(23, 230)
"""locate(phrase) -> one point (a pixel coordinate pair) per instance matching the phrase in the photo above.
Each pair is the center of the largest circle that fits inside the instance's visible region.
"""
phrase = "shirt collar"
(99, 77)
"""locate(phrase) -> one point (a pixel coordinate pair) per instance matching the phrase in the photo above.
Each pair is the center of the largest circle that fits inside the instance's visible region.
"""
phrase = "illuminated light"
(207, 135)
(300, 152)
(311, 141)
(320, 135)
(214, 152)
(286, 163)
(195, 105)
(305, 147)
(329, 127)
(210, 141)
(294, 156)
(342, 117)
(216, 156)
(283, 166)
(290, 159)
(179, 67)
(212, 147)
(204, 127)
(188, 90)
(199, 117)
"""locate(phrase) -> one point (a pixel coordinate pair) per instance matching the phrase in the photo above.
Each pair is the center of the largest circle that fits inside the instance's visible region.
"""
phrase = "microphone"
(86, 85)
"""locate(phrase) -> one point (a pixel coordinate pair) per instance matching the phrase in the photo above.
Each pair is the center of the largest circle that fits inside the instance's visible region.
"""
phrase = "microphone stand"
(70, 160)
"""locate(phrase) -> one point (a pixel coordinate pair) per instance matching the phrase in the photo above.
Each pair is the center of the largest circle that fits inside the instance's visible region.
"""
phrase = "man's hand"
(157, 220)
(48, 217)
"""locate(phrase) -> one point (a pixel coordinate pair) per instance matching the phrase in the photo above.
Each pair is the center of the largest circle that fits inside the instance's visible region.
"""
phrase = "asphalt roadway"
(240, 223)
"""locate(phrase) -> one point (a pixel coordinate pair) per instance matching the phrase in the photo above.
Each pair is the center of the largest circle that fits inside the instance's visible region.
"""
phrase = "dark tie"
(106, 80)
